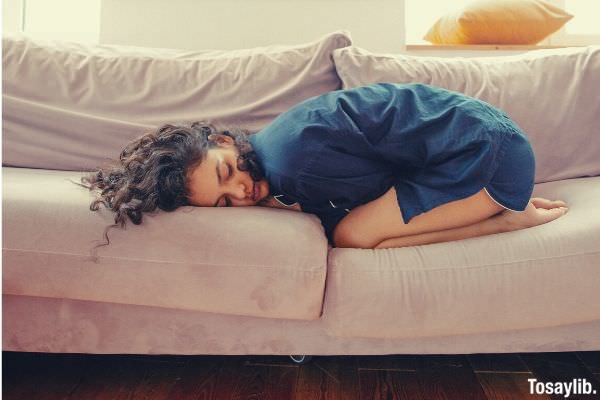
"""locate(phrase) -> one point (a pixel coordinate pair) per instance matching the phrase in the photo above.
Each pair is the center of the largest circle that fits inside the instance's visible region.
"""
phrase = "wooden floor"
(493, 376)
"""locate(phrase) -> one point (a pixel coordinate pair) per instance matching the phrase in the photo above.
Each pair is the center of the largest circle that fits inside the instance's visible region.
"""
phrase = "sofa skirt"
(36, 324)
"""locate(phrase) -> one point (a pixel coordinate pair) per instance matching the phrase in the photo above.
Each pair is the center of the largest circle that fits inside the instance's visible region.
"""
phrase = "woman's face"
(217, 182)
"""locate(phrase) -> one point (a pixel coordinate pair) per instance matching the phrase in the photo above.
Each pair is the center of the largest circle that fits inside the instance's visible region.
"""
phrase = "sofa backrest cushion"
(70, 106)
(552, 94)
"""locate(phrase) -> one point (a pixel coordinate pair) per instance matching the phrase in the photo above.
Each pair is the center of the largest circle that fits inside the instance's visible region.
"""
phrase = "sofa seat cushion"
(255, 261)
(537, 277)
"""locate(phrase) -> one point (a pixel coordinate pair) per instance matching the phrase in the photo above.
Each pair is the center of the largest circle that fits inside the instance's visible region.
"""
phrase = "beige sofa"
(265, 281)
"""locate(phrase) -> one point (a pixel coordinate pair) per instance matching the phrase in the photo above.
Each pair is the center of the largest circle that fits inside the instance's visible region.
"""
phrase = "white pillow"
(69, 106)
(553, 95)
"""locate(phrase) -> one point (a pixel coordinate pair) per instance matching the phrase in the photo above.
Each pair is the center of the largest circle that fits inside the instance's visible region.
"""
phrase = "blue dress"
(336, 151)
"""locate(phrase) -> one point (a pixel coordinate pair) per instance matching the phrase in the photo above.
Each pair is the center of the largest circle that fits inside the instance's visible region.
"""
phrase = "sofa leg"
(300, 359)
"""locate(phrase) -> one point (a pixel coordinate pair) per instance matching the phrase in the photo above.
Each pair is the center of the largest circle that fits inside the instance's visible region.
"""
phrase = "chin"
(263, 188)
(263, 192)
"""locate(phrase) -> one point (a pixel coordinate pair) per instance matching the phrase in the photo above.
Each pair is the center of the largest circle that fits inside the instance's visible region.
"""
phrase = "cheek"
(195, 202)
(263, 189)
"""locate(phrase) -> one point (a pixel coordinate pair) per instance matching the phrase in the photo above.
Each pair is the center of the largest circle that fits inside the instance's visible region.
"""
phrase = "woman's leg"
(488, 226)
(370, 224)
(539, 211)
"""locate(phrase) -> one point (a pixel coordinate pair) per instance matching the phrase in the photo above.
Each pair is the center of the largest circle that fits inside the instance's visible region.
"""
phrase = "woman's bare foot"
(538, 211)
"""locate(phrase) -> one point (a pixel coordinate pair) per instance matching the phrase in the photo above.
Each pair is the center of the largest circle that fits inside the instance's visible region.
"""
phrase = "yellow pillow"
(498, 22)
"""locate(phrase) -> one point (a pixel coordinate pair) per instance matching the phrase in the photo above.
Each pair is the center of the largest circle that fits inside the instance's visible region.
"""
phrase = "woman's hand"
(538, 211)
(269, 201)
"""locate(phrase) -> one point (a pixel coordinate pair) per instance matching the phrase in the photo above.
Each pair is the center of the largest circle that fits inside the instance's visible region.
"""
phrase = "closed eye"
(229, 173)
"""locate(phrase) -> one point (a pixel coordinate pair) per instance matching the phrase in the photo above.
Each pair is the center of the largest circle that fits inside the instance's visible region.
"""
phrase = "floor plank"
(591, 359)
(328, 378)
(559, 367)
(236, 380)
(389, 362)
(449, 377)
(199, 376)
(378, 384)
(159, 377)
(117, 375)
(507, 386)
(41, 376)
(497, 363)
(419, 377)
(34, 376)
(268, 360)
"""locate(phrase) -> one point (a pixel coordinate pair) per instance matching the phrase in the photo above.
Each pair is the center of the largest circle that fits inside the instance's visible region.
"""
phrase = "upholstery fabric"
(75, 326)
(551, 94)
(204, 259)
(498, 22)
(69, 106)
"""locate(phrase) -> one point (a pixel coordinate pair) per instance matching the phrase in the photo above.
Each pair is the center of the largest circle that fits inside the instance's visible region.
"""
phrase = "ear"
(221, 140)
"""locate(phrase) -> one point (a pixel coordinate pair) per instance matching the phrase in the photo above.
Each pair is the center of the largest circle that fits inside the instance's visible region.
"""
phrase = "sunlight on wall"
(11, 16)
(586, 21)
(75, 20)
(230, 24)
(422, 14)
(379, 25)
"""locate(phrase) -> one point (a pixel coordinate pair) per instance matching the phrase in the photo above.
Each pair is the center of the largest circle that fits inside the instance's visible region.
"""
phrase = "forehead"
(203, 184)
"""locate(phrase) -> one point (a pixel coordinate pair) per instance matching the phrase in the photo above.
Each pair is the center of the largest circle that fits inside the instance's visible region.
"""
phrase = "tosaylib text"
(566, 389)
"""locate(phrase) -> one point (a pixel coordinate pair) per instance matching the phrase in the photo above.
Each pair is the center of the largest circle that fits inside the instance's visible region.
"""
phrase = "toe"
(540, 202)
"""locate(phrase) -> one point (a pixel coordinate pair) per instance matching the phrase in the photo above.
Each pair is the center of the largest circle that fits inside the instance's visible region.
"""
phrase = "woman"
(383, 165)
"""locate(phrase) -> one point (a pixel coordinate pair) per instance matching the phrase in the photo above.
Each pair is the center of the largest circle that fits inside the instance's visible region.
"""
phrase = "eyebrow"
(219, 179)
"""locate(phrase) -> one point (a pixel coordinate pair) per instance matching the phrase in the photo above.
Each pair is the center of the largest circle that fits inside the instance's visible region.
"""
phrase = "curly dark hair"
(152, 170)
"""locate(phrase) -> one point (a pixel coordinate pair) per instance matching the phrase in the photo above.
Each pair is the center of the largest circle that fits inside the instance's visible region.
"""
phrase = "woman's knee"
(349, 236)
(368, 225)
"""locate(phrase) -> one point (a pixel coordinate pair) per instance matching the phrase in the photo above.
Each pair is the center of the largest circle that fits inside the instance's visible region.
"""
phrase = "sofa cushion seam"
(511, 263)
(291, 268)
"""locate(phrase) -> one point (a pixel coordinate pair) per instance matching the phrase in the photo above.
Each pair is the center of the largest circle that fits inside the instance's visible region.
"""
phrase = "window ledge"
(513, 47)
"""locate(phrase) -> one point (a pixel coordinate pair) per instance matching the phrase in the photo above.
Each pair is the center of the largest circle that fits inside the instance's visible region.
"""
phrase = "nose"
(241, 189)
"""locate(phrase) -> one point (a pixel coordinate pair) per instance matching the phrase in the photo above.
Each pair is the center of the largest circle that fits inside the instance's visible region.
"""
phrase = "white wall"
(75, 20)
(11, 16)
(230, 24)
(377, 25)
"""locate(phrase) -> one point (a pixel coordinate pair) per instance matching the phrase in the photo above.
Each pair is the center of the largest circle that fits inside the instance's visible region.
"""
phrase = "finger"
(545, 200)
(540, 202)
(552, 214)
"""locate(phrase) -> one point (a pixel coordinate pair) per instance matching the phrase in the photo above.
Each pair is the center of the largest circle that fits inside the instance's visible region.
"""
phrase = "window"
(583, 29)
